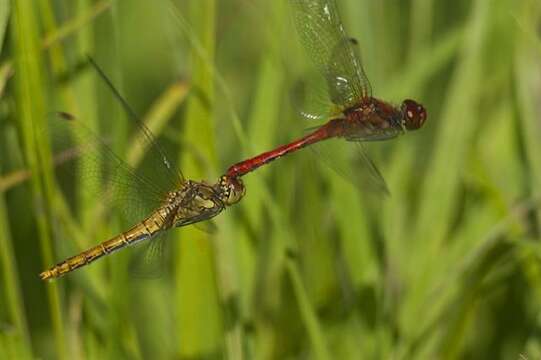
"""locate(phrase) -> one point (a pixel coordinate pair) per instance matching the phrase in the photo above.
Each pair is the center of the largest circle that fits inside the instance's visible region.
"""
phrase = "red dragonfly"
(358, 116)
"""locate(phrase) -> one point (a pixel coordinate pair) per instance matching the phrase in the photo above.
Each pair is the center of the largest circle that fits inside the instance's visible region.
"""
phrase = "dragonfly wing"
(347, 81)
(148, 260)
(381, 135)
(144, 144)
(310, 98)
(353, 164)
(135, 182)
(333, 52)
(374, 175)
(208, 227)
(109, 180)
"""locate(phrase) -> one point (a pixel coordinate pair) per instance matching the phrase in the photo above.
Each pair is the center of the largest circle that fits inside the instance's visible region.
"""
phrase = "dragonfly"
(356, 115)
(192, 202)
(174, 201)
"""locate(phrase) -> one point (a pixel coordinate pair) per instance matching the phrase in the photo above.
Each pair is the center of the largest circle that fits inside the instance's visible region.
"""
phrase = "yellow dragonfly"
(168, 199)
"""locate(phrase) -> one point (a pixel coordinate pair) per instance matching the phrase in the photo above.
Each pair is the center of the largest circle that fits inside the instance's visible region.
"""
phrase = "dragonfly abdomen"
(324, 132)
(145, 230)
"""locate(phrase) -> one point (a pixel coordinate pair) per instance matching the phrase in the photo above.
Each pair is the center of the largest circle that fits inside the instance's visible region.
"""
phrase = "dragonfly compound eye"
(413, 114)
(232, 189)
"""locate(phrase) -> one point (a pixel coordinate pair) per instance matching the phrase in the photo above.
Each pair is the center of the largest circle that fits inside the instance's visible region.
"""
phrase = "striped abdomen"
(142, 231)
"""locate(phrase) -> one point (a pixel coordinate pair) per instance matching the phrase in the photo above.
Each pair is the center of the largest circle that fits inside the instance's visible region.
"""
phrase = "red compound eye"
(413, 114)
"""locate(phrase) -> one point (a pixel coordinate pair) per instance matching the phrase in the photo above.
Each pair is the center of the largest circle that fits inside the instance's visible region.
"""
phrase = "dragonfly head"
(413, 114)
(231, 189)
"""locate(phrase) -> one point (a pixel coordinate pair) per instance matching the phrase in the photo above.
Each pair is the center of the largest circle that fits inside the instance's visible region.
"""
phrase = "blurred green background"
(306, 265)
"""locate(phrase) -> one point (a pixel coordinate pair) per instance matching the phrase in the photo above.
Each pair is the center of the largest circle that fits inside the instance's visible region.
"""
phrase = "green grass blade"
(4, 16)
(528, 91)
(310, 320)
(198, 310)
(31, 110)
(11, 285)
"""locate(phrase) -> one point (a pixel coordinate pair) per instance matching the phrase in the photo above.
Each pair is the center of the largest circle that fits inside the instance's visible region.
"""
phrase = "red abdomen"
(333, 128)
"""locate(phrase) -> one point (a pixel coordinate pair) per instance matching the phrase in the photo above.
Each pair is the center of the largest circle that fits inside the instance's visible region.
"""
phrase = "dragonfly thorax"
(371, 120)
(193, 202)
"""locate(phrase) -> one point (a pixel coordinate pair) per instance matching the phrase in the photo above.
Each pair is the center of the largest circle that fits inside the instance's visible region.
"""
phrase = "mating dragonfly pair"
(356, 116)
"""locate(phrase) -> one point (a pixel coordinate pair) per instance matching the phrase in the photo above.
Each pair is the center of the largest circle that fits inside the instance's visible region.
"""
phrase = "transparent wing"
(322, 34)
(310, 98)
(108, 178)
(148, 260)
(134, 183)
(353, 164)
(207, 226)
(374, 177)
(163, 168)
(347, 81)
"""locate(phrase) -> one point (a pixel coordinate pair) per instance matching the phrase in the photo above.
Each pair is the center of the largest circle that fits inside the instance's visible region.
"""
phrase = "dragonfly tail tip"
(45, 275)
